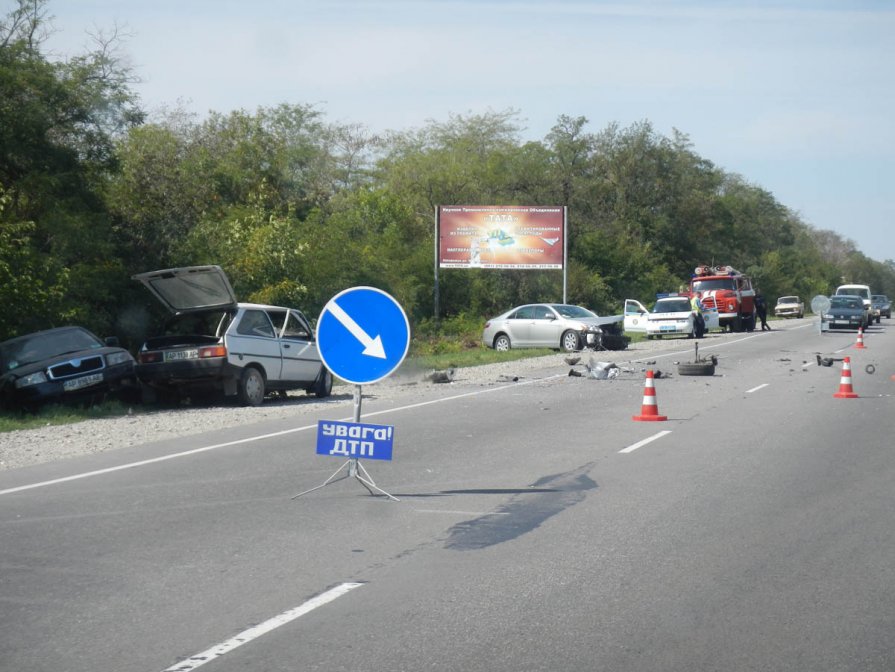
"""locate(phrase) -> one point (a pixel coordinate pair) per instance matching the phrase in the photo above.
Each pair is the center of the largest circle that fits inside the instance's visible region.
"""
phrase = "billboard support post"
(565, 252)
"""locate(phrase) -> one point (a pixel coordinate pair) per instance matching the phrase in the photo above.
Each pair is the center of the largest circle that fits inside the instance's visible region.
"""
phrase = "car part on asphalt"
(698, 367)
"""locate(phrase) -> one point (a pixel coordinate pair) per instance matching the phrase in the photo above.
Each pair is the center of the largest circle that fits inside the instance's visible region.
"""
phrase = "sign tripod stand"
(353, 465)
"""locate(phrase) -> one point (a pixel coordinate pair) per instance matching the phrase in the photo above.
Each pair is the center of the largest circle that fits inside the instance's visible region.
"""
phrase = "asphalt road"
(539, 528)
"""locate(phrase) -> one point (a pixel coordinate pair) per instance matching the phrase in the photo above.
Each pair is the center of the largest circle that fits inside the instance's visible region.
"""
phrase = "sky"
(796, 96)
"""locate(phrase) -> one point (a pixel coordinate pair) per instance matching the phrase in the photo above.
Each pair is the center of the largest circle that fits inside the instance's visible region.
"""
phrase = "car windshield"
(856, 291)
(673, 306)
(572, 311)
(36, 347)
(846, 302)
(714, 284)
(788, 299)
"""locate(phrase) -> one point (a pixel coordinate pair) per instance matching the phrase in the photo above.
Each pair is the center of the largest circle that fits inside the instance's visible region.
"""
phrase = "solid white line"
(247, 636)
(640, 444)
(260, 437)
(756, 389)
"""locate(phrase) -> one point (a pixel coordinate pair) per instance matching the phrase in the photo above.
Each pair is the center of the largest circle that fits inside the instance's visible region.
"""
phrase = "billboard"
(501, 236)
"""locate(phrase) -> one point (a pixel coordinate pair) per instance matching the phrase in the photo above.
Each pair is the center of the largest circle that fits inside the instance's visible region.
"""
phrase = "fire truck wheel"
(696, 369)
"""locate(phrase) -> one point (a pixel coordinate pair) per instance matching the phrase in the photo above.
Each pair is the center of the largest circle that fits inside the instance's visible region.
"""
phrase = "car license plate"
(178, 355)
(667, 327)
(79, 383)
(840, 322)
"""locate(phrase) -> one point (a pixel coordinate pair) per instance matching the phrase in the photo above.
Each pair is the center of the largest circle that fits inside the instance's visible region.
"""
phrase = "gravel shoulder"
(46, 444)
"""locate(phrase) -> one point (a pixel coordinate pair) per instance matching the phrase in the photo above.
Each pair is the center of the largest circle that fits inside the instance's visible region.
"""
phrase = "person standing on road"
(761, 309)
(696, 305)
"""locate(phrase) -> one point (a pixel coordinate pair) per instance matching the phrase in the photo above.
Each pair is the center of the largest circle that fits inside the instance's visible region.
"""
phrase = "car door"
(635, 316)
(254, 340)
(546, 328)
(518, 325)
(301, 359)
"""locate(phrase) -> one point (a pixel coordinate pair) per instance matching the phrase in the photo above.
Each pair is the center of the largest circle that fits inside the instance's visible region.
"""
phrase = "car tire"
(502, 343)
(696, 369)
(324, 385)
(570, 342)
(251, 387)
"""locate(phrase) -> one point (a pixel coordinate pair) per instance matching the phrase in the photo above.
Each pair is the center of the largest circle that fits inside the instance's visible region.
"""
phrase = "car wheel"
(251, 387)
(570, 341)
(696, 369)
(502, 343)
(324, 385)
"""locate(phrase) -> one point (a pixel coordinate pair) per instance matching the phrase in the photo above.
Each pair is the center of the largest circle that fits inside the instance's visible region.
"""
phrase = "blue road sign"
(355, 439)
(363, 335)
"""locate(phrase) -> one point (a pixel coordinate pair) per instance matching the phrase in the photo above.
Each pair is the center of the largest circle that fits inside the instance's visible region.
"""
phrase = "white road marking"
(756, 389)
(261, 437)
(247, 636)
(640, 444)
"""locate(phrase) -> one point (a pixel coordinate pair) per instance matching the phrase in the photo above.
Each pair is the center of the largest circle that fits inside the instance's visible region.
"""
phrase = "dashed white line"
(247, 636)
(756, 389)
(640, 444)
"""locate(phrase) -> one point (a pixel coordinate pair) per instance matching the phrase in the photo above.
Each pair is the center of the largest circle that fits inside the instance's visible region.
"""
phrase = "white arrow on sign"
(372, 346)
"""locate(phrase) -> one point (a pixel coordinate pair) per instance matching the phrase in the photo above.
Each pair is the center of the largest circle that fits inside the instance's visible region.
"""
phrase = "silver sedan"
(544, 325)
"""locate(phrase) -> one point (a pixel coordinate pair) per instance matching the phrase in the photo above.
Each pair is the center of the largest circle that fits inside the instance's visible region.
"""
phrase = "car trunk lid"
(190, 289)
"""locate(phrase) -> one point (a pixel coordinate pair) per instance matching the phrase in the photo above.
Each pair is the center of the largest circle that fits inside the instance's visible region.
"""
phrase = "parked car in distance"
(845, 312)
(62, 365)
(789, 306)
(214, 344)
(545, 325)
(670, 316)
(864, 292)
(882, 305)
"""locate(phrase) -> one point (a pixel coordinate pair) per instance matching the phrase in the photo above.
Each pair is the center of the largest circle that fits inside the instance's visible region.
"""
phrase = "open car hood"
(190, 289)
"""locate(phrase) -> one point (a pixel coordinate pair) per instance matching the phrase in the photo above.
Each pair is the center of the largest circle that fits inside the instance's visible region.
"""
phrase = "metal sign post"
(363, 335)
(353, 465)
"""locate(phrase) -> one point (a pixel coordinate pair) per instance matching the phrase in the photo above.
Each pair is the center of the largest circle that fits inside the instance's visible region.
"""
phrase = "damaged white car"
(670, 316)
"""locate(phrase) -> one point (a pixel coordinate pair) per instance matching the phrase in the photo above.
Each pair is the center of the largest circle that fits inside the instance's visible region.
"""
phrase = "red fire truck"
(730, 292)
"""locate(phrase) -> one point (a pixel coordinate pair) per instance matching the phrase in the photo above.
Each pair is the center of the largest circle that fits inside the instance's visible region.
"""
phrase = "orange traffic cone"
(860, 344)
(845, 388)
(649, 410)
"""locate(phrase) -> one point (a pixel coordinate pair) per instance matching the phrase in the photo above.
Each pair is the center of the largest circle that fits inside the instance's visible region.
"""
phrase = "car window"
(21, 351)
(296, 327)
(255, 323)
(671, 306)
(543, 313)
(524, 313)
(573, 311)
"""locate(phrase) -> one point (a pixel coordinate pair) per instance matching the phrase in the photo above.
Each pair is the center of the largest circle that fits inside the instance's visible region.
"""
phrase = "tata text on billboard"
(479, 236)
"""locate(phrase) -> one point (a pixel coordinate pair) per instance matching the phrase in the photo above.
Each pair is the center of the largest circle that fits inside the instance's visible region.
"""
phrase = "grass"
(60, 415)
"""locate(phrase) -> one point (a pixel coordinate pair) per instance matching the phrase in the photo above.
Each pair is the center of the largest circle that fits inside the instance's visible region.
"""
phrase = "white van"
(864, 292)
